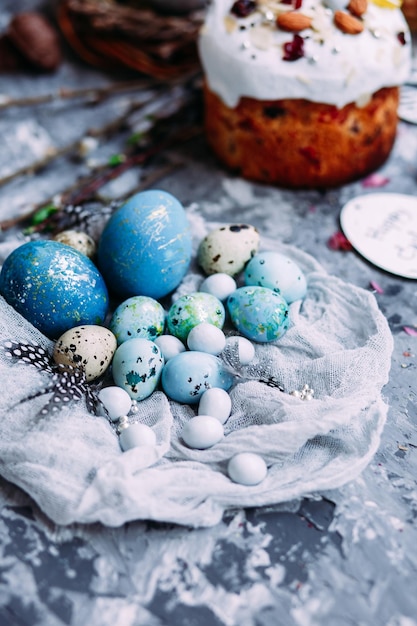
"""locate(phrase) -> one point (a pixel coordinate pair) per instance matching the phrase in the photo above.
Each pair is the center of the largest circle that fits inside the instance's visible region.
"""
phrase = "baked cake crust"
(296, 143)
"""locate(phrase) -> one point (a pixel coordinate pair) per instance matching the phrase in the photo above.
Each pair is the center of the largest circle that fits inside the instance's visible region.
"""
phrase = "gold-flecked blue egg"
(145, 248)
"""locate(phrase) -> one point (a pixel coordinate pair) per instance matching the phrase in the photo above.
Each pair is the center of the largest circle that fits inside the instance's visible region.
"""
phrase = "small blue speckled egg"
(145, 248)
(188, 375)
(137, 366)
(192, 309)
(139, 316)
(259, 313)
(54, 287)
(278, 272)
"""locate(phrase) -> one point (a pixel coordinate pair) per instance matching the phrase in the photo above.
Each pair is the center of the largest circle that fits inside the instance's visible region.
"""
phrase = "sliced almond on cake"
(293, 21)
(357, 7)
(348, 23)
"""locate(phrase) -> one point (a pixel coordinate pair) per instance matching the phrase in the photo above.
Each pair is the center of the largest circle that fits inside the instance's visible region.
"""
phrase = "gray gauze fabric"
(71, 464)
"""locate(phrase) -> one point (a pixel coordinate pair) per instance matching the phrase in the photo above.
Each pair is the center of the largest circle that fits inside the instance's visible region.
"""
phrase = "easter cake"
(303, 93)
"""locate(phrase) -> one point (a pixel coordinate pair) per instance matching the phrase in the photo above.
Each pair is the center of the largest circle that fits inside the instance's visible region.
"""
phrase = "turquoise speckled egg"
(192, 309)
(258, 313)
(137, 366)
(54, 287)
(278, 272)
(145, 248)
(139, 316)
(189, 374)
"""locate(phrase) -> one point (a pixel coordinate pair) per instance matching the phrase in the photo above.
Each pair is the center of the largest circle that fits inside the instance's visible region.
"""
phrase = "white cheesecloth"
(71, 464)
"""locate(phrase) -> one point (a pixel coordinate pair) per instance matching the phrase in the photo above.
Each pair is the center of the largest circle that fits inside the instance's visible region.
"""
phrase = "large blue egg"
(145, 248)
(54, 287)
(188, 375)
(258, 313)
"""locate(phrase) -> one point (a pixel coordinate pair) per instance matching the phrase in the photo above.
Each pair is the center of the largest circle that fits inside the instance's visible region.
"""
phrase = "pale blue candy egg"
(170, 346)
(145, 248)
(247, 468)
(202, 432)
(54, 287)
(114, 402)
(220, 285)
(244, 348)
(206, 337)
(259, 313)
(278, 272)
(137, 366)
(192, 309)
(139, 316)
(217, 403)
(188, 375)
(136, 435)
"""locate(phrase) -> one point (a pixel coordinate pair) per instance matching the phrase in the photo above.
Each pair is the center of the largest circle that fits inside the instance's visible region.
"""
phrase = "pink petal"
(375, 180)
(410, 330)
(339, 242)
(376, 287)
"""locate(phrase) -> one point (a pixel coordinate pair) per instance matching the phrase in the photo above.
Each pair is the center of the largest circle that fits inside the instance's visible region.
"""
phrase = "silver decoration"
(123, 423)
(134, 407)
(306, 393)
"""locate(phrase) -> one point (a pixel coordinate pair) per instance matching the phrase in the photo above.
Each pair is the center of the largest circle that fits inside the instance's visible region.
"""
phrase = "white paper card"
(382, 227)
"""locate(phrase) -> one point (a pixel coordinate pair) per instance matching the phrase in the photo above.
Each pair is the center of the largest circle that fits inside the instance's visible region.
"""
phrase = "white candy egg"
(247, 468)
(88, 347)
(219, 285)
(207, 338)
(215, 402)
(246, 349)
(170, 346)
(116, 401)
(136, 435)
(202, 431)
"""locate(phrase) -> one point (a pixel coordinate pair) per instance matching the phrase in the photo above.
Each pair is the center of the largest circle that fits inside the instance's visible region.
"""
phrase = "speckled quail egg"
(78, 240)
(227, 249)
(88, 347)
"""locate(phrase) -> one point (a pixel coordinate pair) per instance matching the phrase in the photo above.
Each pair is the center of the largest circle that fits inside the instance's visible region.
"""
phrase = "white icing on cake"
(243, 56)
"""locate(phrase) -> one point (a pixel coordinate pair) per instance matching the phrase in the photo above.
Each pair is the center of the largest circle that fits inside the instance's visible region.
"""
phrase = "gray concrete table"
(348, 558)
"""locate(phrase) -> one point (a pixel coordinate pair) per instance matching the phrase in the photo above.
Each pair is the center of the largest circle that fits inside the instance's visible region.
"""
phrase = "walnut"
(36, 39)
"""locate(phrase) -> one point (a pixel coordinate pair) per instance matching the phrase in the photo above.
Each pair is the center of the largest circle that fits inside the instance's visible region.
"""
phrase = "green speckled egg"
(258, 313)
(192, 309)
(139, 316)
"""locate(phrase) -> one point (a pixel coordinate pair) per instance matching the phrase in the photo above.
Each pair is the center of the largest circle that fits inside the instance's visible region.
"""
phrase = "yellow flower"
(388, 4)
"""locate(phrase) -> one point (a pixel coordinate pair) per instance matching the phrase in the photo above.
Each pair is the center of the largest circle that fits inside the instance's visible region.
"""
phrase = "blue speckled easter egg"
(54, 287)
(145, 248)
(192, 309)
(258, 313)
(137, 366)
(139, 316)
(278, 272)
(189, 374)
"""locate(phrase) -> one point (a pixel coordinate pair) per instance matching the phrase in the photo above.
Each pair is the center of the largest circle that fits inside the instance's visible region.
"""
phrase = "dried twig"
(92, 94)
